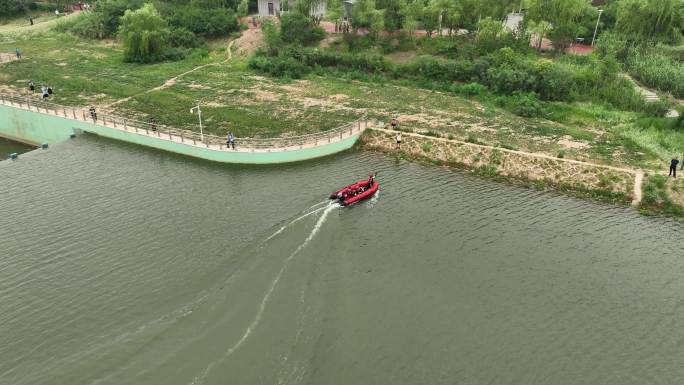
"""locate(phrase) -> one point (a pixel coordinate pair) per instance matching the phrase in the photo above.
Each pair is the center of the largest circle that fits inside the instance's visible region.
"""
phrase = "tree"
(651, 20)
(297, 28)
(11, 7)
(394, 11)
(564, 17)
(271, 36)
(243, 8)
(475, 10)
(307, 8)
(335, 10)
(144, 34)
(450, 12)
(491, 36)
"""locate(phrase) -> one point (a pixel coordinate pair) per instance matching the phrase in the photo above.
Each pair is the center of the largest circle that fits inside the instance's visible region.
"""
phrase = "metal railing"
(186, 136)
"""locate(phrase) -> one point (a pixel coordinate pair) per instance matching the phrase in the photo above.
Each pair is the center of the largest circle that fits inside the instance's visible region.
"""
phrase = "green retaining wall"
(36, 128)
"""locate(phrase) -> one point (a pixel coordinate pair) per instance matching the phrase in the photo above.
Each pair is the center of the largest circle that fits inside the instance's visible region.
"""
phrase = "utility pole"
(593, 39)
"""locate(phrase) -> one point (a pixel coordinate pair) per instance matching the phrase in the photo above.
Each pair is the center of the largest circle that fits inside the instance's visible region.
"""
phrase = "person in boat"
(371, 180)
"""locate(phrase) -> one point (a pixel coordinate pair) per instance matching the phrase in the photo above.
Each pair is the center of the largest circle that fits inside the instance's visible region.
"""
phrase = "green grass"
(84, 72)
(656, 197)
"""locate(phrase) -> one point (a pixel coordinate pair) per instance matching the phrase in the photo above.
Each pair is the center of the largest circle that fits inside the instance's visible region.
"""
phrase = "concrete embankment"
(600, 181)
(38, 123)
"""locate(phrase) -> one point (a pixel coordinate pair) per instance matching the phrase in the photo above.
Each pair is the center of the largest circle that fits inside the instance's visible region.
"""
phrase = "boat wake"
(313, 210)
(262, 306)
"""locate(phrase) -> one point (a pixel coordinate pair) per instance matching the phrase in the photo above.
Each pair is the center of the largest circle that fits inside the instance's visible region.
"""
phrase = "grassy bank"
(583, 180)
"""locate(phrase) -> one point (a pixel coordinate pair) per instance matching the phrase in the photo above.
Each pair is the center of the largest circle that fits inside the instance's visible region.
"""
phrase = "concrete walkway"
(191, 138)
(638, 174)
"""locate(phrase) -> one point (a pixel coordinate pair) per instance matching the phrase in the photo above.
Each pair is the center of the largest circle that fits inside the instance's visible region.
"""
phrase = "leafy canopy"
(144, 34)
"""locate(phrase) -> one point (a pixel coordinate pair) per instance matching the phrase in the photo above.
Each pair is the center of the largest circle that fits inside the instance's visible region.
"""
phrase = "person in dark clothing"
(673, 167)
(49, 90)
(231, 140)
(371, 179)
(31, 20)
(32, 86)
(93, 114)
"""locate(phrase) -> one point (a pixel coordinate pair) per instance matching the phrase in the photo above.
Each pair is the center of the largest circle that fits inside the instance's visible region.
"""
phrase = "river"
(8, 147)
(122, 265)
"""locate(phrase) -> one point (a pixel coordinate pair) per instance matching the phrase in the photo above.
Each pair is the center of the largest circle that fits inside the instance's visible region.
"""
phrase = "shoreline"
(609, 184)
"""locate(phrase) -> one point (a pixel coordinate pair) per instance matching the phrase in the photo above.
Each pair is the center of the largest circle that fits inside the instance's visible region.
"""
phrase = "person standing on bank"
(18, 53)
(394, 123)
(398, 140)
(93, 114)
(32, 86)
(673, 167)
(231, 140)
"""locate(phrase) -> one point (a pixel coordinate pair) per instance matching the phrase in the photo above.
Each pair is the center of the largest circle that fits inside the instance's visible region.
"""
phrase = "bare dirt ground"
(250, 40)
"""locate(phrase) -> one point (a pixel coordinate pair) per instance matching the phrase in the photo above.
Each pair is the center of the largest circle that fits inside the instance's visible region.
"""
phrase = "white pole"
(596, 29)
(199, 114)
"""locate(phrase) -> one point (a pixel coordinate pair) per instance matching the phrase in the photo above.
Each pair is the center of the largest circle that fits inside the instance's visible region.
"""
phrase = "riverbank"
(253, 106)
(652, 194)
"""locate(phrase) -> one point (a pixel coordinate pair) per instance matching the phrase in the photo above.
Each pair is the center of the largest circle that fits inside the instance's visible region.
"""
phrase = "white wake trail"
(264, 300)
(280, 230)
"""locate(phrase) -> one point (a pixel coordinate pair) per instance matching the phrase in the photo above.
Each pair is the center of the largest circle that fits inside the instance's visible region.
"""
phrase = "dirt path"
(249, 41)
(638, 174)
(638, 182)
(650, 95)
(173, 80)
(37, 27)
(246, 44)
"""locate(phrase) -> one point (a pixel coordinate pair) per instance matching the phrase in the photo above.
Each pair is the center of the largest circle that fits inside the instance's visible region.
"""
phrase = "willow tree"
(651, 20)
(144, 34)
(563, 16)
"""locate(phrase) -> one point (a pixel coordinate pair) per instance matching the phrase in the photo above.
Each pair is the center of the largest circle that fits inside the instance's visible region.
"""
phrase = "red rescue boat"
(355, 192)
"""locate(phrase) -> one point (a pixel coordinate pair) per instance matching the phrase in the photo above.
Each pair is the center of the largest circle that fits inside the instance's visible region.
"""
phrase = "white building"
(513, 21)
(277, 7)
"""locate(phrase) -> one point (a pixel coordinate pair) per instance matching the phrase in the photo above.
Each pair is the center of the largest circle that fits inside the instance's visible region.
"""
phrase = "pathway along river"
(124, 266)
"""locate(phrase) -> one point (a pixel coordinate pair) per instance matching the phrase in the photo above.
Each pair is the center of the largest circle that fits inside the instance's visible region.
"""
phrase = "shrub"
(204, 21)
(11, 7)
(657, 70)
(183, 37)
(279, 66)
(297, 28)
(471, 89)
(525, 104)
(109, 12)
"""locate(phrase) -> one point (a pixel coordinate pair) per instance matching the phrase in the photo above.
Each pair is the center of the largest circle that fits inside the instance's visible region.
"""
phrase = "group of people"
(45, 90)
(352, 192)
(342, 26)
(673, 166)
